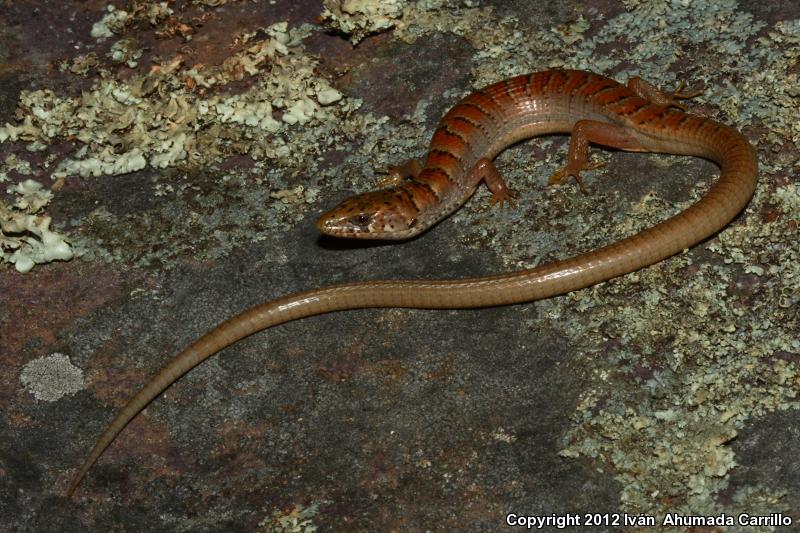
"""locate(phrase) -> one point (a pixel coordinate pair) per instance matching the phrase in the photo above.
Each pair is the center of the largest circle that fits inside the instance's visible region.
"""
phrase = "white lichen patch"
(25, 236)
(327, 95)
(105, 162)
(113, 22)
(359, 18)
(32, 196)
(52, 377)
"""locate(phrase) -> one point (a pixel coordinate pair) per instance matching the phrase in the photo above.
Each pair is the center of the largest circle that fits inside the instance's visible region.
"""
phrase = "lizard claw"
(571, 170)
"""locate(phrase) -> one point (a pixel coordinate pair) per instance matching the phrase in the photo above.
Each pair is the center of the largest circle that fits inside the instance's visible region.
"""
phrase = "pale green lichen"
(166, 124)
(574, 31)
(20, 166)
(788, 198)
(153, 12)
(25, 235)
(359, 18)
(166, 118)
(80, 65)
(125, 51)
(113, 22)
(105, 162)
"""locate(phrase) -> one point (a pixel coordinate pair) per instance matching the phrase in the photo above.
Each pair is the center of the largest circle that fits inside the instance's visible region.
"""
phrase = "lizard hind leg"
(653, 94)
(611, 135)
(484, 170)
(592, 131)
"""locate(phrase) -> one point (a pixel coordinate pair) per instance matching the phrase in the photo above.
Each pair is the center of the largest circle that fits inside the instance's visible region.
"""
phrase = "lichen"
(25, 235)
(360, 18)
(172, 117)
(113, 22)
(52, 377)
(166, 122)
(297, 520)
(125, 51)
(80, 65)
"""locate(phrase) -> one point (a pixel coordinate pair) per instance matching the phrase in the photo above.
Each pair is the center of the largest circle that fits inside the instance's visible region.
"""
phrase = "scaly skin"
(590, 107)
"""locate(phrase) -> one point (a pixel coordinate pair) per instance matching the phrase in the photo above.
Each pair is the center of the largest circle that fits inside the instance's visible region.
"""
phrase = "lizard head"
(385, 214)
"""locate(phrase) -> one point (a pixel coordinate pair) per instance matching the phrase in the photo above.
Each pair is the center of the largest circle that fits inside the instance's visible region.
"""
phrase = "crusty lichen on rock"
(51, 377)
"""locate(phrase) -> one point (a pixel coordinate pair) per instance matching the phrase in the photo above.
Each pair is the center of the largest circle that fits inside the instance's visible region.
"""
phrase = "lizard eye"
(361, 220)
